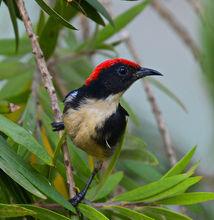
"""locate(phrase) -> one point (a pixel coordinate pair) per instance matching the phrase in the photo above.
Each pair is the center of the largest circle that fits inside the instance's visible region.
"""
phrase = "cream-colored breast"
(81, 123)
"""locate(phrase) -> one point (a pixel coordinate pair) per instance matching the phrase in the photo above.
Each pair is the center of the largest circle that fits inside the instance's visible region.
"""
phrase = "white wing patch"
(71, 96)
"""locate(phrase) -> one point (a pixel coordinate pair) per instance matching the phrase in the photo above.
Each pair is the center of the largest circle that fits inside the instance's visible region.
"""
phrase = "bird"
(93, 117)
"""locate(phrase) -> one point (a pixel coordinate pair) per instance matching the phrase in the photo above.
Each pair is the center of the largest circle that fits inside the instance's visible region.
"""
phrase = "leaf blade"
(53, 13)
(149, 190)
(181, 164)
(99, 7)
(131, 214)
(22, 137)
(188, 198)
(7, 211)
(91, 212)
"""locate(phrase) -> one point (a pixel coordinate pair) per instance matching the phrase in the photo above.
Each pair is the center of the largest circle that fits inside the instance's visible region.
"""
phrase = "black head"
(115, 76)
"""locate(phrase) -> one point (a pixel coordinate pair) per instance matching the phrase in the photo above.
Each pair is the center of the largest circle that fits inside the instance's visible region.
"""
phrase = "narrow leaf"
(91, 212)
(38, 180)
(7, 47)
(179, 188)
(16, 86)
(46, 214)
(188, 198)
(129, 213)
(53, 13)
(168, 92)
(136, 154)
(168, 214)
(112, 162)
(10, 5)
(131, 112)
(120, 22)
(110, 184)
(19, 178)
(99, 7)
(149, 190)
(23, 137)
(181, 164)
(7, 211)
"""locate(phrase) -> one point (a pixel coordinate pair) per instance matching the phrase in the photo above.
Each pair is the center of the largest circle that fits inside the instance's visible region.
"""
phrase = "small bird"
(93, 116)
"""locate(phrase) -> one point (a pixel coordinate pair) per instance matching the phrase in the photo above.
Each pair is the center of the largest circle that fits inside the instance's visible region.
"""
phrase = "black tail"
(57, 126)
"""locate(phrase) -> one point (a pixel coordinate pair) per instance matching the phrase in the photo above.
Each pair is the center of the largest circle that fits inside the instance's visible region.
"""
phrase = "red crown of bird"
(106, 64)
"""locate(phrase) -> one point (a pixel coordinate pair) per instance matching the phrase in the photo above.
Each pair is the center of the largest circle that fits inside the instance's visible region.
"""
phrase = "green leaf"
(10, 68)
(46, 214)
(91, 212)
(16, 86)
(128, 183)
(19, 178)
(181, 164)
(112, 163)
(7, 47)
(99, 7)
(179, 188)
(130, 214)
(168, 92)
(41, 23)
(7, 211)
(11, 7)
(35, 178)
(88, 11)
(120, 22)
(23, 137)
(149, 190)
(136, 154)
(145, 171)
(165, 214)
(110, 184)
(79, 163)
(50, 32)
(54, 13)
(131, 112)
(188, 198)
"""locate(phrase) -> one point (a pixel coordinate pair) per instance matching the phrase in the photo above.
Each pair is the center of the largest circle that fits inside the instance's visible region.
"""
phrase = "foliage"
(32, 172)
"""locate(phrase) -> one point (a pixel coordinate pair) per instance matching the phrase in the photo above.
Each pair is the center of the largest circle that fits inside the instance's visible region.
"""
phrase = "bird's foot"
(77, 199)
(57, 126)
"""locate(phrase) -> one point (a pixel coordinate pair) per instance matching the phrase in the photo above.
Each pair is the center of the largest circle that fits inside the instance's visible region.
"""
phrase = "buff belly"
(81, 125)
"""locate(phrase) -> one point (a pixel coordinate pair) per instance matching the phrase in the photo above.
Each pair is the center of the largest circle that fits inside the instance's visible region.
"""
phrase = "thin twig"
(170, 152)
(48, 84)
(133, 205)
(196, 6)
(179, 29)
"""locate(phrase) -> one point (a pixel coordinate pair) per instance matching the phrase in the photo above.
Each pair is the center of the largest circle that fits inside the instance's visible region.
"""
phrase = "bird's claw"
(76, 199)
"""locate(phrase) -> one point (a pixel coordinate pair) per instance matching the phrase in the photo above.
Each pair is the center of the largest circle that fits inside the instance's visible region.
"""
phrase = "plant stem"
(48, 84)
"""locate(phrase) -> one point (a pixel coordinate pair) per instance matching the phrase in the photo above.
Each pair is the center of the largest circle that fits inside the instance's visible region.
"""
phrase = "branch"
(170, 152)
(196, 6)
(54, 206)
(179, 29)
(48, 84)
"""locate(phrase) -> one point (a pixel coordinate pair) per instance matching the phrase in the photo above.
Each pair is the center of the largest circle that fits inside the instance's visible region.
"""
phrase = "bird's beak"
(143, 72)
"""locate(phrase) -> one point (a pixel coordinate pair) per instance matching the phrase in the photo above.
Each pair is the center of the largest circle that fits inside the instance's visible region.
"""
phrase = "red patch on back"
(106, 64)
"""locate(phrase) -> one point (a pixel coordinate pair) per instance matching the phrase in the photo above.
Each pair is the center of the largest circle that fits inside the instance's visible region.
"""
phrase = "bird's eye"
(122, 71)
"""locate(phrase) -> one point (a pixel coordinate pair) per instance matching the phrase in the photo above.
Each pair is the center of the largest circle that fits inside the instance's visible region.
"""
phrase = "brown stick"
(170, 152)
(196, 6)
(48, 84)
(55, 206)
(179, 29)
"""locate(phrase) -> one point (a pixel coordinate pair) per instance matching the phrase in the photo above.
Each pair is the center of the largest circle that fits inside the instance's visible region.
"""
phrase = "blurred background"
(161, 48)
